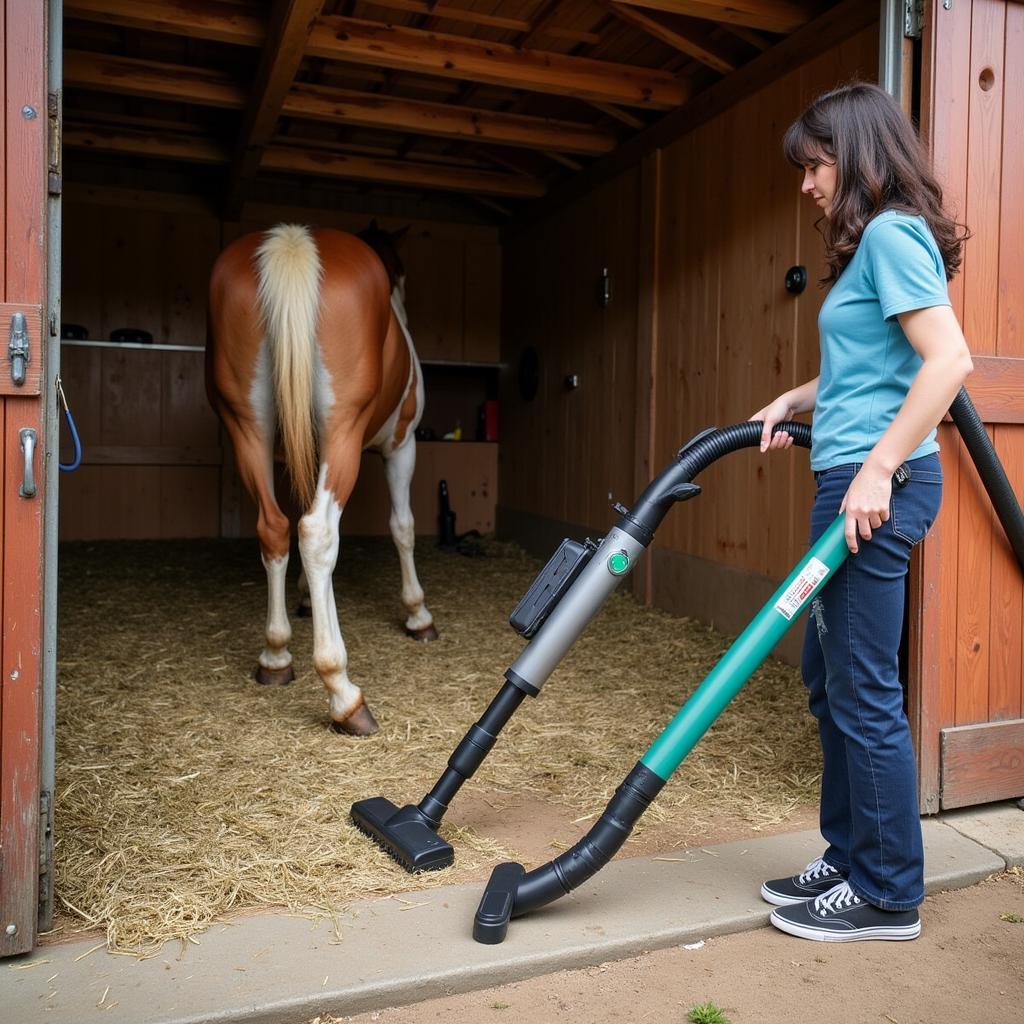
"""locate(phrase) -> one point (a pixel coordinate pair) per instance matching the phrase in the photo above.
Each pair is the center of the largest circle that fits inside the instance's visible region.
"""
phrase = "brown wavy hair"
(881, 164)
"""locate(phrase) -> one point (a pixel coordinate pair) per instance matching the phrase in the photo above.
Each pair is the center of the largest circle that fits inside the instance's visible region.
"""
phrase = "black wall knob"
(796, 280)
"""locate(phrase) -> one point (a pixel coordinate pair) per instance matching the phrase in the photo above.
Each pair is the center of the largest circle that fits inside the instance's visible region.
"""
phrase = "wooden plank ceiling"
(490, 102)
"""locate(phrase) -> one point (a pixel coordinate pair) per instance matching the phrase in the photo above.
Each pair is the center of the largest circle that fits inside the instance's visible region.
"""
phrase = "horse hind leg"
(319, 542)
(398, 468)
(272, 527)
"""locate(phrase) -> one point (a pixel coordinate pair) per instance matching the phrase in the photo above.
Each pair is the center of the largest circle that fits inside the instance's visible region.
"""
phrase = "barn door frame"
(24, 172)
(967, 694)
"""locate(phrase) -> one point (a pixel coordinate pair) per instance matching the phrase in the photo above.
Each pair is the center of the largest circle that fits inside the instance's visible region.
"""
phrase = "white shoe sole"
(778, 900)
(898, 934)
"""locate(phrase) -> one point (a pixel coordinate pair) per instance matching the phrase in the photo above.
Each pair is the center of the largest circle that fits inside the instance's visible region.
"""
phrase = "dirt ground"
(966, 968)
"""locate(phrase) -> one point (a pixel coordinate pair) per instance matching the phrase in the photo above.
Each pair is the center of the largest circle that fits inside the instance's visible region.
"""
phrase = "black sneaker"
(815, 879)
(842, 916)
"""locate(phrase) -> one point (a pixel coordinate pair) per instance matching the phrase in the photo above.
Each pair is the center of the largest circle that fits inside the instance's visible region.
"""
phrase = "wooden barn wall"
(969, 708)
(156, 464)
(729, 338)
(698, 239)
(569, 449)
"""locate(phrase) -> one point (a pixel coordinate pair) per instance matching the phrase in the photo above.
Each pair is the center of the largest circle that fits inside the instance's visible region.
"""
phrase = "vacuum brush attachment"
(403, 833)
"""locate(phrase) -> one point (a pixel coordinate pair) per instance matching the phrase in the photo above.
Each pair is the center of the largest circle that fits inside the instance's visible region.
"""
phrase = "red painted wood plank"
(997, 388)
(974, 576)
(1010, 341)
(985, 91)
(1006, 595)
(982, 763)
(24, 269)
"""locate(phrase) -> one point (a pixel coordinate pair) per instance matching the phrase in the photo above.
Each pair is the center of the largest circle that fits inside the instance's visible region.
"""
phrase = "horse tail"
(289, 272)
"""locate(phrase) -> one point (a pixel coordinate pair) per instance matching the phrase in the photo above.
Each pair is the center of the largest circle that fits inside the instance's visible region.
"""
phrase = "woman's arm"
(936, 337)
(785, 407)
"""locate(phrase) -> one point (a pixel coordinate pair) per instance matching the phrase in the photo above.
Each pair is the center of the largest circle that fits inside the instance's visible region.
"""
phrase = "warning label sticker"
(795, 596)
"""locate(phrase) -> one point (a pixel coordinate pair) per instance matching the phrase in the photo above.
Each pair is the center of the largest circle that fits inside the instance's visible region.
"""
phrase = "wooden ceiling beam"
(291, 22)
(446, 12)
(703, 51)
(748, 35)
(151, 79)
(139, 142)
(155, 80)
(834, 26)
(318, 163)
(539, 23)
(771, 15)
(400, 172)
(420, 117)
(212, 19)
(406, 49)
(631, 120)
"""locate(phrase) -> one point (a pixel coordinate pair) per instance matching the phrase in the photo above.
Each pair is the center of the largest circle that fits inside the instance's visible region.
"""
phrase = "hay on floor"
(185, 791)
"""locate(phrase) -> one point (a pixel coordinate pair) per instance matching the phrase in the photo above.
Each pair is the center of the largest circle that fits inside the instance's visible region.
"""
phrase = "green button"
(618, 563)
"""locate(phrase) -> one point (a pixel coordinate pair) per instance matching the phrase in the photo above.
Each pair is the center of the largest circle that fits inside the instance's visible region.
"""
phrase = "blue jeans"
(869, 807)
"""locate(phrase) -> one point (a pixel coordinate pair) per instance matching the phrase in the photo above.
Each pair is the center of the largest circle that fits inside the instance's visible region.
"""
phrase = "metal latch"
(17, 348)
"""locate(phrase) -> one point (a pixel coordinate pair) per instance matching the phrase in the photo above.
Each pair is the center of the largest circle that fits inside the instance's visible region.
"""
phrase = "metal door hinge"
(45, 831)
(45, 910)
(53, 106)
(913, 18)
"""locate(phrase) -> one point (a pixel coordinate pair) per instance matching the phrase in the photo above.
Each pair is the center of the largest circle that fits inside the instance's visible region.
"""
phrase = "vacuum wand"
(556, 609)
(512, 892)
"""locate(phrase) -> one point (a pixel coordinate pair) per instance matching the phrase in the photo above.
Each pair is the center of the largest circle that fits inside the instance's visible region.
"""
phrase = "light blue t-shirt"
(867, 364)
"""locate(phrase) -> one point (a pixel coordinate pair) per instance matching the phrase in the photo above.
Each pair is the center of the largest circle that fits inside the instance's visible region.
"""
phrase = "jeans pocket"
(913, 510)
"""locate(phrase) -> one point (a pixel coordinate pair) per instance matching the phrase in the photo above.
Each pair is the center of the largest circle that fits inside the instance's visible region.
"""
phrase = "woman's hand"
(866, 504)
(779, 410)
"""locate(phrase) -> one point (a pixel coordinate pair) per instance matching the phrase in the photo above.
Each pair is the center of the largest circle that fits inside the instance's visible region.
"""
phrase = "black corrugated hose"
(991, 471)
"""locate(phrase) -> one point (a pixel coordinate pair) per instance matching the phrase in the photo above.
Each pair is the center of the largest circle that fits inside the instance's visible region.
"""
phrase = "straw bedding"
(185, 791)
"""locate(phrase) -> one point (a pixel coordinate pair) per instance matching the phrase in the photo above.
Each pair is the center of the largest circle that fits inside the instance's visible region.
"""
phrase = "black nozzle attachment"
(512, 892)
(403, 833)
(409, 834)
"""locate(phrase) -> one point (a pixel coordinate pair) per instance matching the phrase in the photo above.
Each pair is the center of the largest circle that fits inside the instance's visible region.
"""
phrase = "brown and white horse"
(308, 344)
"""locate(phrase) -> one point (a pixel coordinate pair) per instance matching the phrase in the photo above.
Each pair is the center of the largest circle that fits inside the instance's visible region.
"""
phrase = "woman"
(893, 358)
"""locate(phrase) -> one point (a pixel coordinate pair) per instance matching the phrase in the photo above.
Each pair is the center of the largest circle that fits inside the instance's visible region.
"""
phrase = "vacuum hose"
(990, 469)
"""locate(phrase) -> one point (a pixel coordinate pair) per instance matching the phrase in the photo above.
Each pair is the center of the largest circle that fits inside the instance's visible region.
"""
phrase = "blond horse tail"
(289, 270)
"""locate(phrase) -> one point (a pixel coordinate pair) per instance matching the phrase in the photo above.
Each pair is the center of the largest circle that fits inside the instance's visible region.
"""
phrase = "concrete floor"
(279, 969)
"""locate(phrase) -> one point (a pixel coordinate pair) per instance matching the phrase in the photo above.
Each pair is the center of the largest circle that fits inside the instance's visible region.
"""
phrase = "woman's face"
(820, 182)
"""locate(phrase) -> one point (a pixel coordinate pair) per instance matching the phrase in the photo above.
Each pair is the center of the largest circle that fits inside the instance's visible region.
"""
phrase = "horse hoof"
(273, 676)
(359, 723)
(304, 610)
(424, 634)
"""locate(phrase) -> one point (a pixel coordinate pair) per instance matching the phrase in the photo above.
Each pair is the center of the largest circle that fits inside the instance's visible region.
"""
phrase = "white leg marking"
(318, 544)
(398, 467)
(276, 654)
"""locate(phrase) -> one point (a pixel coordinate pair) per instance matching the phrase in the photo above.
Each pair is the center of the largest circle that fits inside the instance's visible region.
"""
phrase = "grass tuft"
(706, 1013)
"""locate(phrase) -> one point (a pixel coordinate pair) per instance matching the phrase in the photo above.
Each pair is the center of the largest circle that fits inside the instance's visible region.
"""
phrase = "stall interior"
(472, 125)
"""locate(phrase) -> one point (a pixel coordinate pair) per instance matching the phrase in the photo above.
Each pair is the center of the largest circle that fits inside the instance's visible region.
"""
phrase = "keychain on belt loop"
(76, 461)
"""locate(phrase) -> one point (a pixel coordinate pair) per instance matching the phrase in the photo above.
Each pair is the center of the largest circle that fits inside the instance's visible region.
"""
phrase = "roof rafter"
(703, 51)
(291, 22)
(446, 12)
(155, 80)
(770, 15)
(405, 49)
(320, 163)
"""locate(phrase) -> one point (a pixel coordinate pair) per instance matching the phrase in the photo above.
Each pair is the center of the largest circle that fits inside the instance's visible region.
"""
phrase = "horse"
(308, 342)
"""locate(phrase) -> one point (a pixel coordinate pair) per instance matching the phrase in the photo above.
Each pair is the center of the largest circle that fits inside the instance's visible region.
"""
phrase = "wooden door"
(23, 183)
(966, 640)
